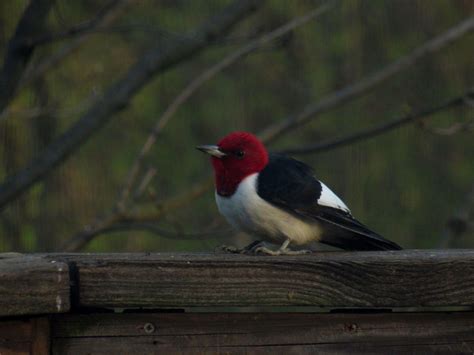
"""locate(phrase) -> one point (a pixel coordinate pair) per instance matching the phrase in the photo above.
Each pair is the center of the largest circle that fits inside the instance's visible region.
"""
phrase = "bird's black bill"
(211, 150)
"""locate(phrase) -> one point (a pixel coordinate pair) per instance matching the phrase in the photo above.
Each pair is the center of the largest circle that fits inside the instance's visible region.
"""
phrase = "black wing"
(290, 185)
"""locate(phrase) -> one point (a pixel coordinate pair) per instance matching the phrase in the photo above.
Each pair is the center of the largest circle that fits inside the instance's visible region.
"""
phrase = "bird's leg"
(258, 247)
(283, 250)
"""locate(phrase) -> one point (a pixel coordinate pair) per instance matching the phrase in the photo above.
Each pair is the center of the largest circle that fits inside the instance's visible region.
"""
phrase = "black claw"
(252, 246)
(227, 249)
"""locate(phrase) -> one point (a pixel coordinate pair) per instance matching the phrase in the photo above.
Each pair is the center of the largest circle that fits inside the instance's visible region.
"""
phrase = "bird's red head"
(235, 157)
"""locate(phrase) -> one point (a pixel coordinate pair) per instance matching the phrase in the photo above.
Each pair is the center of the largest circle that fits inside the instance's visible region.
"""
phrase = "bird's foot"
(230, 249)
(250, 249)
(259, 248)
(266, 251)
(227, 249)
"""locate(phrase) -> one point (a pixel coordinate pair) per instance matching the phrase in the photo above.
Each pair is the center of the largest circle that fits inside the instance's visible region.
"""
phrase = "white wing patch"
(329, 199)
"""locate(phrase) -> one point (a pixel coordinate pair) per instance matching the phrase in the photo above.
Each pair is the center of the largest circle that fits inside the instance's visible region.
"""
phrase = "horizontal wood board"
(264, 333)
(326, 279)
(33, 285)
(25, 336)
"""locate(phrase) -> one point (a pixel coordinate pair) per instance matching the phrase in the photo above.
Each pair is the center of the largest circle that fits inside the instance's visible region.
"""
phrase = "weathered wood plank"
(15, 337)
(33, 285)
(326, 279)
(41, 341)
(141, 346)
(26, 336)
(265, 333)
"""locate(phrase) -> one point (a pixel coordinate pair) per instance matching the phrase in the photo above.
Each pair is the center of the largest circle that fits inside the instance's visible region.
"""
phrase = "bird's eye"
(239, 154)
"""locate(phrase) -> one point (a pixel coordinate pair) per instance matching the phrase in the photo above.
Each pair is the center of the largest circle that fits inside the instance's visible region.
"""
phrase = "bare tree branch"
(34, 71)
(379, 129)
(79, 29)
(34, 112)
(453, 129)
(28, 113)
(90, 231)
(147, 178)
(369, 83)
(460, 223)
(18, 53)
(156, 229)
(119, 217)
(117, 97)
(163, 207)
(81, 240)
(106, 16)
(458, 126)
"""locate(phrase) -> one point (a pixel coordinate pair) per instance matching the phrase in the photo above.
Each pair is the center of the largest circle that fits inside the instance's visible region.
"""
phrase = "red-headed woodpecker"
(278, 199)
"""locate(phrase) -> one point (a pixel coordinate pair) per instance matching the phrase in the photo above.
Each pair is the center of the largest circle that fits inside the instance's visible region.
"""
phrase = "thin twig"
(460, 223)
(90, 231)
(379, 129)
(151, 227)
(455, 128)
(35, 112)
(147, 178)
(81, 240)
(118, 217)
(79, 29)
(163, 207)
(369, 83)
(27, 113)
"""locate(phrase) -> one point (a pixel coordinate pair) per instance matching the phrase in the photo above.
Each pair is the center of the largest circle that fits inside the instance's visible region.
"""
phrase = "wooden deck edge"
(31, 284)
(266, 333)
(56, 283)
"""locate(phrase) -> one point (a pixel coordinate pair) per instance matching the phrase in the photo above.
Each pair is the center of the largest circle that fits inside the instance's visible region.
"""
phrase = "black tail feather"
(358, 242)
(355, 237)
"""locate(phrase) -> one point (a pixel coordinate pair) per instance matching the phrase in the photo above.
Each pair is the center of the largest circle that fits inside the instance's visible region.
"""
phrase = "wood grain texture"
(33, 285)
(41, 340)
(15, 337)
(26, 336)
(264, 333)
(325, 279)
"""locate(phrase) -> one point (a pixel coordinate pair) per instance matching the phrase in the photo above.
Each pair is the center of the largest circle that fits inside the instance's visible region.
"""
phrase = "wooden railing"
(376, 302)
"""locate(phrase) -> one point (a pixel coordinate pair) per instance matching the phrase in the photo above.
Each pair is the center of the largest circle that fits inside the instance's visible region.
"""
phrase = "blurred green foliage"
(405, 184)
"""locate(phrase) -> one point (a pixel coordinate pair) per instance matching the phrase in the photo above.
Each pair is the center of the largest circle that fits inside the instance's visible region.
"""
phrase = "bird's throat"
(226, 184)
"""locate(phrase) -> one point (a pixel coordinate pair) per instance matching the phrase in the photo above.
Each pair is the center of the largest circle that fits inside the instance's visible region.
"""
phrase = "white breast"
(248, 212)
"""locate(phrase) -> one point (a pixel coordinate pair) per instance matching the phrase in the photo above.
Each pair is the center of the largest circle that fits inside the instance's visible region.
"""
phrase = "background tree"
(102, 104)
